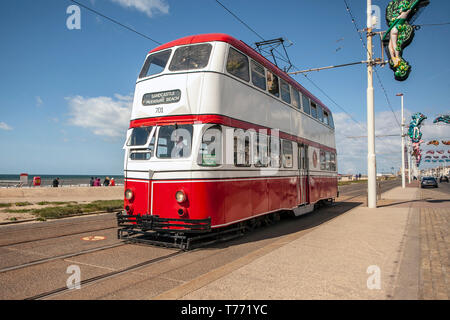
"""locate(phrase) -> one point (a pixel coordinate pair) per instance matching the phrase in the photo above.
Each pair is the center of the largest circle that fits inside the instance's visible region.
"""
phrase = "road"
(37, 259)
(360, 189)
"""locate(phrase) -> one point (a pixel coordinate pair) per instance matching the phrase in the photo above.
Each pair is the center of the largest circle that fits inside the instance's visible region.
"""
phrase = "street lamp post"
(409, 161)
(371, 157)
(403, 144)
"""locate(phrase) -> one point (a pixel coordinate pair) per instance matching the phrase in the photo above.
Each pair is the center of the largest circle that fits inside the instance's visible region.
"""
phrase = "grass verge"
(43, 203)
(70, 210)
(23, 204)
(56, 212)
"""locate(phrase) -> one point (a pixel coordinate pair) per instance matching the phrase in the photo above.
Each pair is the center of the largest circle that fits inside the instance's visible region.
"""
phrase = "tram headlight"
(180, 196)
(128, 194)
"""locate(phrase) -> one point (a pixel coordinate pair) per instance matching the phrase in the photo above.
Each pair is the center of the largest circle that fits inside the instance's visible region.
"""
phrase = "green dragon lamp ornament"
(399, 15)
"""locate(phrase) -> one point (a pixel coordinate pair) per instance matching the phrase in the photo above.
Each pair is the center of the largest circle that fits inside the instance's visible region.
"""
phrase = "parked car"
(429, 182)
(443, 178)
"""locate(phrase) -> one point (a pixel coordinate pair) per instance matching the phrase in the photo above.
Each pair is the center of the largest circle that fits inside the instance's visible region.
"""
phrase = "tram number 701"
(246, 309)
(159, 110)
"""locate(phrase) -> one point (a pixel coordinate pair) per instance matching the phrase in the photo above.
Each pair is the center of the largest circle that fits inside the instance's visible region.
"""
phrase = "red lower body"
(226, 201)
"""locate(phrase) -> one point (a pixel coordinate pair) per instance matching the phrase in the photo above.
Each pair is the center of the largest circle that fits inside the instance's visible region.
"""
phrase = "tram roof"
(242, 46)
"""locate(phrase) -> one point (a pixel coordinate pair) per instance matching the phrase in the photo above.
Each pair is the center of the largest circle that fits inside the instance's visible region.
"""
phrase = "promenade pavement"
(397, 251)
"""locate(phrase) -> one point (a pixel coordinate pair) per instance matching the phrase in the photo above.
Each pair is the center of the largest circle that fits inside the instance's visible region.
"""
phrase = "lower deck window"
(174, 141)
(261, 151)
(323, 162)
(241, 149)
(332, 162)
(139, 136)
(287, 154)
(211, 147)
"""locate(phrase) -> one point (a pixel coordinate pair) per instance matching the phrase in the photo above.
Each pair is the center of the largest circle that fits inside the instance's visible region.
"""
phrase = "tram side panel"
(139, 203)
(259, 196)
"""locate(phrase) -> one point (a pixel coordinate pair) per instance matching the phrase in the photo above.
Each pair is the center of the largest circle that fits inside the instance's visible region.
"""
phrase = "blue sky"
(66, 93)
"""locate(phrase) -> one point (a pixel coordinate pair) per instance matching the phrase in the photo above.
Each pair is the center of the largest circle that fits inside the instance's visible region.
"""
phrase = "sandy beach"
(79, 194)
(64, 194)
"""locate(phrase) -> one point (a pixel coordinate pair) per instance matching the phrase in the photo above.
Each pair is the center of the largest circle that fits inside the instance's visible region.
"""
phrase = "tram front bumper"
(147, 222)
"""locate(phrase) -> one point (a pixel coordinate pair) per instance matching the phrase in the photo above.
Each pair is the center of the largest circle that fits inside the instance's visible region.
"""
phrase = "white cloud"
(352, 152)
(149, 7)
(4, 126)
(104, 116)
(39, 101)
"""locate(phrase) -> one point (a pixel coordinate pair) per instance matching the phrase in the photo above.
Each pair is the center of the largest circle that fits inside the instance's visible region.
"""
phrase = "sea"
(10, 180)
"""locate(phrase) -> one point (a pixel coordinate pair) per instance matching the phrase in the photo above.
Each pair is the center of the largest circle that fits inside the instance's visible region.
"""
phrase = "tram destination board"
(163, 97)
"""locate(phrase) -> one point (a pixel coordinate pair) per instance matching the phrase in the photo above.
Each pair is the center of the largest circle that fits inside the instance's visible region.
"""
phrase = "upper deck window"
(191, 57)
(258, 75)
(155, 63)
(325, 117)
(306, 107)
(313, 110)
(296, 99)
(272, 84)
(319, 113)
(330, 120)
(237, 64)
(285, 92)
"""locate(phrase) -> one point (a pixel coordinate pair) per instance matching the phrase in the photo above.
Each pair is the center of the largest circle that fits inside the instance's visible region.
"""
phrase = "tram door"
(303, 172)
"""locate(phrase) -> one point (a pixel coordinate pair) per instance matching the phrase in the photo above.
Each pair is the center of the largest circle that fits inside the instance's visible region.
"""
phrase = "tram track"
(59, 257)
(354, 194)
(92, 280)
(49, 292)
(54, 237)
(111, 275)
(54, 229)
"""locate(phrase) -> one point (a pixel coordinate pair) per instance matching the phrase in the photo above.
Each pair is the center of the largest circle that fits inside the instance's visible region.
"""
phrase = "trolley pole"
(403, 143)
(371, 158)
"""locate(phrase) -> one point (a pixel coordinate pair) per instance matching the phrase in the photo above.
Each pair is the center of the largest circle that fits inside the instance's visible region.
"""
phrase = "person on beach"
(91, 182)
(97, 182)
(113, 182)
(106, 182)
(56, 183)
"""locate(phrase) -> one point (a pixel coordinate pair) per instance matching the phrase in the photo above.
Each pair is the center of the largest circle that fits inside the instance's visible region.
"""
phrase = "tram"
(219, 136)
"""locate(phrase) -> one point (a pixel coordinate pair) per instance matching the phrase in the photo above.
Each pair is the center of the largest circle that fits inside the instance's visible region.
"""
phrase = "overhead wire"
(295, 67)
(376, 72)
(432, 24)
(115, 21)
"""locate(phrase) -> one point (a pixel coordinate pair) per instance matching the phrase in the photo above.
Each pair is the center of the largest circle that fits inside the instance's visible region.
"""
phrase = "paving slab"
(120, 257)
(398, 193)
(330, 262)
(34, 280)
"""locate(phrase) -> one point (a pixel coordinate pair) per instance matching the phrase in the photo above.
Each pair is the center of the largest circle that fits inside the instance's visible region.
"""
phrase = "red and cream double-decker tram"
(219, 137)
